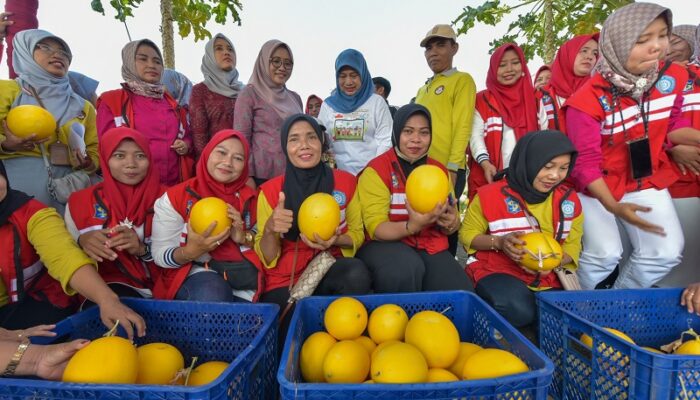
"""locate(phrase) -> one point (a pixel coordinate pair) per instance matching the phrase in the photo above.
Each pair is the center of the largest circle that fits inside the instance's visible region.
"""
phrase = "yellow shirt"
(450, 97)
(475, 224)
(56, 248)
(353, 218)
(9, 90)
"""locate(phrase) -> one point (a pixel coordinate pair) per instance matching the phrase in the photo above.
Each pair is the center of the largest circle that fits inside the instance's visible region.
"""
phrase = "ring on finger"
(218, 243)
(691, 294)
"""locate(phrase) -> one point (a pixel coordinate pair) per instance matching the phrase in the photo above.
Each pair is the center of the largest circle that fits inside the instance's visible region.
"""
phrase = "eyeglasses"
(48, 50)
(278, 62)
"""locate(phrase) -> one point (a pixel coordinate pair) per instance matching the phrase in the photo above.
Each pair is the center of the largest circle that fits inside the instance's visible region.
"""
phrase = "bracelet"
(408, 230)
(493, 243)
(187, 258)
(16, 358)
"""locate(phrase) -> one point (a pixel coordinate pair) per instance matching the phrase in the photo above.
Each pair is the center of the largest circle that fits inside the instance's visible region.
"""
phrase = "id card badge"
(58, 154)
(640, 157)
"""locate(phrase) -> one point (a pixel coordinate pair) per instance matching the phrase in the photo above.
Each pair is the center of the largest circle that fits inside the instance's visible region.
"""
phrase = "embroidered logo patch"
(666, 84)
(688, 86)
(339, 197)
(512, 205)
(605, 103)
(568, 207)
(188, 207)
(100, 213)
(439, 89)
(394, 180)
(546, 98)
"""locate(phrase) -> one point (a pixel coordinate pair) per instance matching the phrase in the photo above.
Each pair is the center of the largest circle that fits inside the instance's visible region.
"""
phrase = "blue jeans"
(205, 286)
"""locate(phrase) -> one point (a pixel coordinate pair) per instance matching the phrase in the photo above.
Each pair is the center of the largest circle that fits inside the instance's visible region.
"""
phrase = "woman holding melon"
(203, 228)
(409, 249)
(529, 199)
(285, 251)
(42, 61)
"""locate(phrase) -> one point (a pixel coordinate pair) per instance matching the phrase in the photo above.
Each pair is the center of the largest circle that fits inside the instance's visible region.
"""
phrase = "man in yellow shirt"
(449, 95)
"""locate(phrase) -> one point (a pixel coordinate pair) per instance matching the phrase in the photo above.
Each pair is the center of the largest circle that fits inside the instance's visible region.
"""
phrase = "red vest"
(18, 254)
(624, 121)
(295, 255)
(502, 208)
(688, 185)
(487, 107)
(430, 239)
(183, 197)
(555, 116)
(90, 212)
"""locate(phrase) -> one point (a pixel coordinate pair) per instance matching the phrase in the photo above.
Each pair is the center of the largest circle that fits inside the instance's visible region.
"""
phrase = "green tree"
(191, 16)
(543, 26)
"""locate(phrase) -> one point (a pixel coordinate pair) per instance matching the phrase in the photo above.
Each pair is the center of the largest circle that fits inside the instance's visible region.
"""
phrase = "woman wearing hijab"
(408, 251)
(213, 101)
(178, 86)
(505, 112)
(143, 104)
(263, 105)
(358, 120)
(542, 77)
(283, 250)
(111, 221)
(682, 44)
(571, 69)
(313, 105)
(42, 268)
(210, 267)
(620, 122)
(42, 60)
(498, 215)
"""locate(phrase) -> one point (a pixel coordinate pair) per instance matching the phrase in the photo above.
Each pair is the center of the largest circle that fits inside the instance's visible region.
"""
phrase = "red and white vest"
(21, 270)
(548, 99)
(503, 209)
(487, 107)
(688, 185)
(430, 239)
(623, 121)
(345, 185)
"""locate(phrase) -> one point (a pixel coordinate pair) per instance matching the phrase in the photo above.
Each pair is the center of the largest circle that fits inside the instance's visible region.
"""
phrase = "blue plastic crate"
(613, 368)
(475, 321)
(243, 334)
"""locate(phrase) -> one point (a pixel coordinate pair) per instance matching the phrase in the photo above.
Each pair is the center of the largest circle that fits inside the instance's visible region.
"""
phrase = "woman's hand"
(52, 359)
(281, 219)
(319, 243)
(123, 238)
(84, 161)
(14, 143)
(237, 224)
(199, 244)
(21, 334)
(691, 298)
(687, 158)
(4, 23)
(180, 147)
(94, 244)
(417, 221)
(490, 170)
(628, 212)
(507, 244)
(449, 219)
(113, 310)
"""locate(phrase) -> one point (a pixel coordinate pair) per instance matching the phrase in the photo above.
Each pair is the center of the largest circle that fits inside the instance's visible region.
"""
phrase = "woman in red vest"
(505, 112)
(143, 104)
(530, 198)
(283, 250)
(620, 122)
(409, 250)
(42, 267)
(542, 77)
(210, 267)
(111, 221)
(571, 69)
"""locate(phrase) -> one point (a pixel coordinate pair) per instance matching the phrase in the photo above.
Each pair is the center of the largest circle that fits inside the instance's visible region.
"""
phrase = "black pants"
(32, 312)
(397, 267)
(461, 182)
(512, 299)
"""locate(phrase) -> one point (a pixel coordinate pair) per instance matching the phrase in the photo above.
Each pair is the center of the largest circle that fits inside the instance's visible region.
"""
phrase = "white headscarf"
(225, 83)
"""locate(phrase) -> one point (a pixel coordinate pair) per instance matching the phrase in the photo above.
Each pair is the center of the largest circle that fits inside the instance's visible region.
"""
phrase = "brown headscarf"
(617, 38)
(131, 78)
(281, 99)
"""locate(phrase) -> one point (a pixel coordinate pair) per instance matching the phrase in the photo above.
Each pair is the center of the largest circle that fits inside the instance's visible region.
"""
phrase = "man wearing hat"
(449, 95)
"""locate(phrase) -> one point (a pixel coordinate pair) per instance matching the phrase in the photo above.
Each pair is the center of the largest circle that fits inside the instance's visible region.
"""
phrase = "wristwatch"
(16, 358)
(249, 237)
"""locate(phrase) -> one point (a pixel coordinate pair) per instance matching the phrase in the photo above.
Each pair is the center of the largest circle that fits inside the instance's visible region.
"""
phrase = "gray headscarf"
(55, 93)
(178, 85)
(617, 38)
(687, 33)
(225, 83)
(696, 53)
(83, 85)
(131, 78)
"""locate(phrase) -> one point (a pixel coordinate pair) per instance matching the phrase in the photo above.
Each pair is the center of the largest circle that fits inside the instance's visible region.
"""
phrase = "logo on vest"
(688, 86)
(100, 212)
(512, 205)
(605, 103)
(666, 84)
(394, 180)
(567, 208)
(188, 207)
(546, 98)
(439, 89)
(339, 197)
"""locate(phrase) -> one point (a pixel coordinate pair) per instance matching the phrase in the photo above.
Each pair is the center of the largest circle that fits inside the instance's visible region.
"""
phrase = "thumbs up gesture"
(281, 219)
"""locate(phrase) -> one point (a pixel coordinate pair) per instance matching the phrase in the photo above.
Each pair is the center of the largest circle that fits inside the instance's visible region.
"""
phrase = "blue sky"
(387, 32)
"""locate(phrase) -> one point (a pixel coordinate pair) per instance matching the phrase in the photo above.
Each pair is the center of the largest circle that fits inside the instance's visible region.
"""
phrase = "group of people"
(608, 138)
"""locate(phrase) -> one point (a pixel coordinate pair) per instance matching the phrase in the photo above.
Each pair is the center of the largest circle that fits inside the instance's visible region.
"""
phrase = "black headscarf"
(12, 201)
(302, 183)
(532, 152)
(402, 115)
